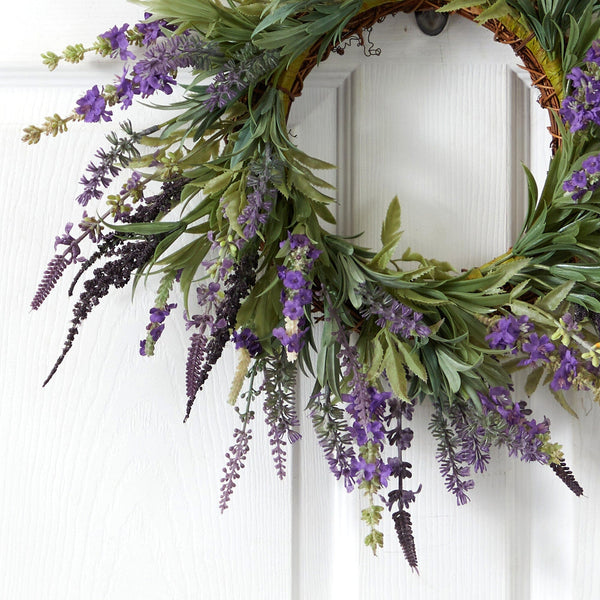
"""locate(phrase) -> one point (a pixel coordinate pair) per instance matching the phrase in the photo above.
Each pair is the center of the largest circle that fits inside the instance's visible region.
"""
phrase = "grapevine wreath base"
(236, 226)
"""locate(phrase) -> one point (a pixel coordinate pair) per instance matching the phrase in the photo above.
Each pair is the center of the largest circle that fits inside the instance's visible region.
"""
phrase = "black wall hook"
(431, 22)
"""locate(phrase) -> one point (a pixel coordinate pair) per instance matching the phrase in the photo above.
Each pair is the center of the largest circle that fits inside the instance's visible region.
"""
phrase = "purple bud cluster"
(518, 336)
(152, 72)
(248, 340)
(537, 348)
(369, 437)
(260, 199)
(247, 67)
(401, 437)
(152, 30)
(505, 332)
(72, 252)
(224, 88)
(156, 326)
(586, 179)
(92, 106)
(450, 454)
(582, 108)
(521, 435)
(297, 292)
(564, 376)
(92, 227)
(122, 150)
(118, 42)
(389, 312)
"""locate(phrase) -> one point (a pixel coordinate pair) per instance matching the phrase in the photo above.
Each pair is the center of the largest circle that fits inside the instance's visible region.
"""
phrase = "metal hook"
(431, 22)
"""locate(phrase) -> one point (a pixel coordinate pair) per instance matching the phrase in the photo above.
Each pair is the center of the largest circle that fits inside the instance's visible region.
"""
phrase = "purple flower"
(246, 339)
(375, 428)
(592, 164)
(208, 294)
(363, 469)
(520, 435)
(578, 77)
(153, 72)
(293, 343)
(93, 106)
(294, 280)
(358, 432)
(259, 201)
(582, 108)
(296, 240)
(224, 88)
(72, 252)
(303, 296)
(152, 30)
(125, 90)
(506, 331)
(293, 309)
(157, 315)
(567, 371)
(156, 332)
(593, 54)
(537, 348)
(118, 42)
(398, 317)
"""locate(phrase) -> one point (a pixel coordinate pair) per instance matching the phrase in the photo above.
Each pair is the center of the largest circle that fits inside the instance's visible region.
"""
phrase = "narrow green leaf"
(496, 11)
(394, 368)
(458, 4)
(553, 299)
(390, 229)
(560, 398)
(148, 228)
(449, 371)
(218, 184)
(519, 308)
(376, 360)
(533, 380)
(412, 361)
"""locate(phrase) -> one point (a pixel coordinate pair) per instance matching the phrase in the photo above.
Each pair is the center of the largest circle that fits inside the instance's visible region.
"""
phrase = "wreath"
(238, 225)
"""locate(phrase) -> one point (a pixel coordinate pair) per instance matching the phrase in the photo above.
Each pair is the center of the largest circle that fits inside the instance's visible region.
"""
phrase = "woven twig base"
(549, 97)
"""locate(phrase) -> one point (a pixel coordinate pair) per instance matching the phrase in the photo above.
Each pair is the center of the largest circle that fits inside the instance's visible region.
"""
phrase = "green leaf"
(449, 371)
(218, 184)
(533, 380)
(553, 299)
(148, 228)
(519, 289)
(519, 308)
(302, 185)
(251, 10)
(560, 398)
(323, 212)
(394, 368)
(412, 360)
(506, 271)
(577, 272)
(458, 4)
(309, 161)
(496, 11)
(376, 360)
(532, 198)
(390, 229)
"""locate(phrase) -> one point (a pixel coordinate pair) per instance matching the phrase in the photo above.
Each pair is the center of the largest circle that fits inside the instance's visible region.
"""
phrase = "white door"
(106, 494)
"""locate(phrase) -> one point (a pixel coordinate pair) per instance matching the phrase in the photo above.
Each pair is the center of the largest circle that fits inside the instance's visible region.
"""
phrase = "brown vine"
(548, 99)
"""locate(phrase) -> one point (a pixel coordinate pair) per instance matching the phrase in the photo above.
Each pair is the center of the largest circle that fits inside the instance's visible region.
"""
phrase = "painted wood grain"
(106, 494)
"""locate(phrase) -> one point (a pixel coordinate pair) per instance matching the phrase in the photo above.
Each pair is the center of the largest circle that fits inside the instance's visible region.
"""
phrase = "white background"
(106, 494)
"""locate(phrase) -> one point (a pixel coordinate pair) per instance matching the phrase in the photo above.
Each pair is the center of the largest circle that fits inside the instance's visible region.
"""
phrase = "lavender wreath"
(264, 272)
